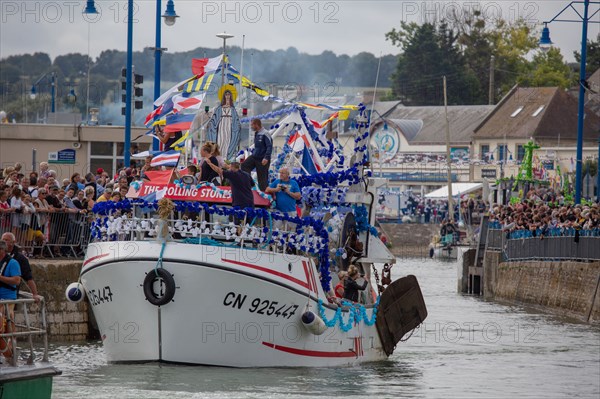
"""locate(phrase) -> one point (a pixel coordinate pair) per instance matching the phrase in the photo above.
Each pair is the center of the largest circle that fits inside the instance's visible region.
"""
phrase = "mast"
(449, 161)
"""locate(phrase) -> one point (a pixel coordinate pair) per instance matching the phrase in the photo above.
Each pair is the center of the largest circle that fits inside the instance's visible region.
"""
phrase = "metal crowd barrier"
(48, 234)
(494, 239)
(566, 247)
(553, 248)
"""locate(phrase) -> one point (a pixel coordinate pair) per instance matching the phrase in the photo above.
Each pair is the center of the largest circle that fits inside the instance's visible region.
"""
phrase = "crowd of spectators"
(42, 210)
(45, 211)
(545, 213)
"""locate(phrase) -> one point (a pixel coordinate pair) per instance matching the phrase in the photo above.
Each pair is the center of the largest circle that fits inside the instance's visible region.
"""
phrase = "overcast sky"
(58, 27)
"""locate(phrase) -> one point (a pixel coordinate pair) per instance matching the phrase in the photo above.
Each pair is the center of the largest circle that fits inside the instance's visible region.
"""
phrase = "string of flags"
(173, 108)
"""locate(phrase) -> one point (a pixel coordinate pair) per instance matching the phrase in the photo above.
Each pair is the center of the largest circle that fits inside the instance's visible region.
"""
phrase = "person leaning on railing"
(15, 252)
(42, 209)
(10, 277)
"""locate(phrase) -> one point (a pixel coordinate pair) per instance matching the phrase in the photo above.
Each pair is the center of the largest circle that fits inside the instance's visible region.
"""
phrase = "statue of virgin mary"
(224, 127)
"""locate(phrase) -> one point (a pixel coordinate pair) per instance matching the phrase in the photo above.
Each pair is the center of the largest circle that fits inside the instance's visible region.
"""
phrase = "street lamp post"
(545, 43)
(89, 9)
(170, 17)
(33, 93)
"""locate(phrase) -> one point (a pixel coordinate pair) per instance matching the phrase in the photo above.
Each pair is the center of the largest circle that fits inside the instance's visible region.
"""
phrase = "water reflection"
(467, 347)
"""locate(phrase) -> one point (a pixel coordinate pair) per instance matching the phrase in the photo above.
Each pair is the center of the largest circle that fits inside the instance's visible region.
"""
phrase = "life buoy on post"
(166, 284)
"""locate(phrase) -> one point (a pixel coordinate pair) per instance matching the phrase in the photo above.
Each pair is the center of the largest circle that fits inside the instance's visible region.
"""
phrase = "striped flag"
(169, 158)
(178, 122)
(175, 89)
(199, 84)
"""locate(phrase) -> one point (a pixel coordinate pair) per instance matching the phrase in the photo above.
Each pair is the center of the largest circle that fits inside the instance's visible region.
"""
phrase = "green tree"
(72, 65)
(509, 44)
(548, 70)
(430, 52)
(592, 57)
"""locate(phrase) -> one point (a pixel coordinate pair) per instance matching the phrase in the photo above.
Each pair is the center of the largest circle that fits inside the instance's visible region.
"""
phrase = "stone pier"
(67, 321)
(567, 288)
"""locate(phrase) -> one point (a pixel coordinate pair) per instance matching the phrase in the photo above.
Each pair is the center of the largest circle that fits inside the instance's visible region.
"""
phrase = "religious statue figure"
(224, 127)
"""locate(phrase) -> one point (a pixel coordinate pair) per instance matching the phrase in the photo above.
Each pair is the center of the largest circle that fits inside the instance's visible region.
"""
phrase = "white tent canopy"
(457, 189)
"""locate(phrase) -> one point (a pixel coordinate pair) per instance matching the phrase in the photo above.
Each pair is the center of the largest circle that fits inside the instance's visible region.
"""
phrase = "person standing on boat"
(10, 277)
(241, 183)
(339, 288)
(351, 287)
(261, 155)
(207, 174)
(287, 192)
(167, 138)
(224, 127)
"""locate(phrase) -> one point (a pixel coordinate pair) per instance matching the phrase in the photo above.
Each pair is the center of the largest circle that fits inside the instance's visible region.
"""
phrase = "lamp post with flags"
(545, 43)
(170, 17)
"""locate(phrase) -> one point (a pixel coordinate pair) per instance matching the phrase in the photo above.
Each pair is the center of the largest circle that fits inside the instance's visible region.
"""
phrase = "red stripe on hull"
(93, 258)
(307, 276)
(310, 353)
(266, 270)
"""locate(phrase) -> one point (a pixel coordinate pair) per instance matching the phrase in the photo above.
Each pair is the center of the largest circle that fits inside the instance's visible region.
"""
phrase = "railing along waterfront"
(28, 320)
(48, 233)
(546, 245)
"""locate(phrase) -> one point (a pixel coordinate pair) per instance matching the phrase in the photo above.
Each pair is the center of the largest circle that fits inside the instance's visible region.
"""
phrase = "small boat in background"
(22, 376)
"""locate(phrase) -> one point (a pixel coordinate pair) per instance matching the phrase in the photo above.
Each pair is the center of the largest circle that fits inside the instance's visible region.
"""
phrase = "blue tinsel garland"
(356, 313)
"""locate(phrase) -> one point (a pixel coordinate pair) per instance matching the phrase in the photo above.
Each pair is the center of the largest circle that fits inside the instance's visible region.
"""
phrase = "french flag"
(179, 122)
(169, 158)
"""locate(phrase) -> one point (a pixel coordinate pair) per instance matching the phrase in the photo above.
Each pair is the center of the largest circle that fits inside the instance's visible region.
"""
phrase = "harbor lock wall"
(410, 239)
(67, 321)
(568, 288)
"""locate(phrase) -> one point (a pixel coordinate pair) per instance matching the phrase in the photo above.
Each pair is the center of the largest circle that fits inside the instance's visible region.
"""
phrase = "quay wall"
(568, 288)
(67, 321)
(410, 239)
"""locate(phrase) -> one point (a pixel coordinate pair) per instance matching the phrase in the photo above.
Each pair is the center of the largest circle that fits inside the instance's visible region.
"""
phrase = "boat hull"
(231, 307)
(27, 381)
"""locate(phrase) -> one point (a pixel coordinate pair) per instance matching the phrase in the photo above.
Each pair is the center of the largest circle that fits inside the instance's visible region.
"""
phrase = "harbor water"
(467, 348)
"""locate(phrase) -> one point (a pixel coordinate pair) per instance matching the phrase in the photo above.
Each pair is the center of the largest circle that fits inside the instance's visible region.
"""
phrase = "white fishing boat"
(175, 281)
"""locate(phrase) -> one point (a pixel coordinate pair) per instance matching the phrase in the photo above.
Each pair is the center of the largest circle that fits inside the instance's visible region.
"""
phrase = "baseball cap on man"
(99, 171)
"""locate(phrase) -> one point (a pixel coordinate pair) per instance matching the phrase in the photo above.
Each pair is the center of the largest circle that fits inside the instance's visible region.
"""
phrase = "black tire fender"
(169, 284)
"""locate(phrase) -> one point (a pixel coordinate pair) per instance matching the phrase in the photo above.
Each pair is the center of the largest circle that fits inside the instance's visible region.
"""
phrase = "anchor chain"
(380, 288)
